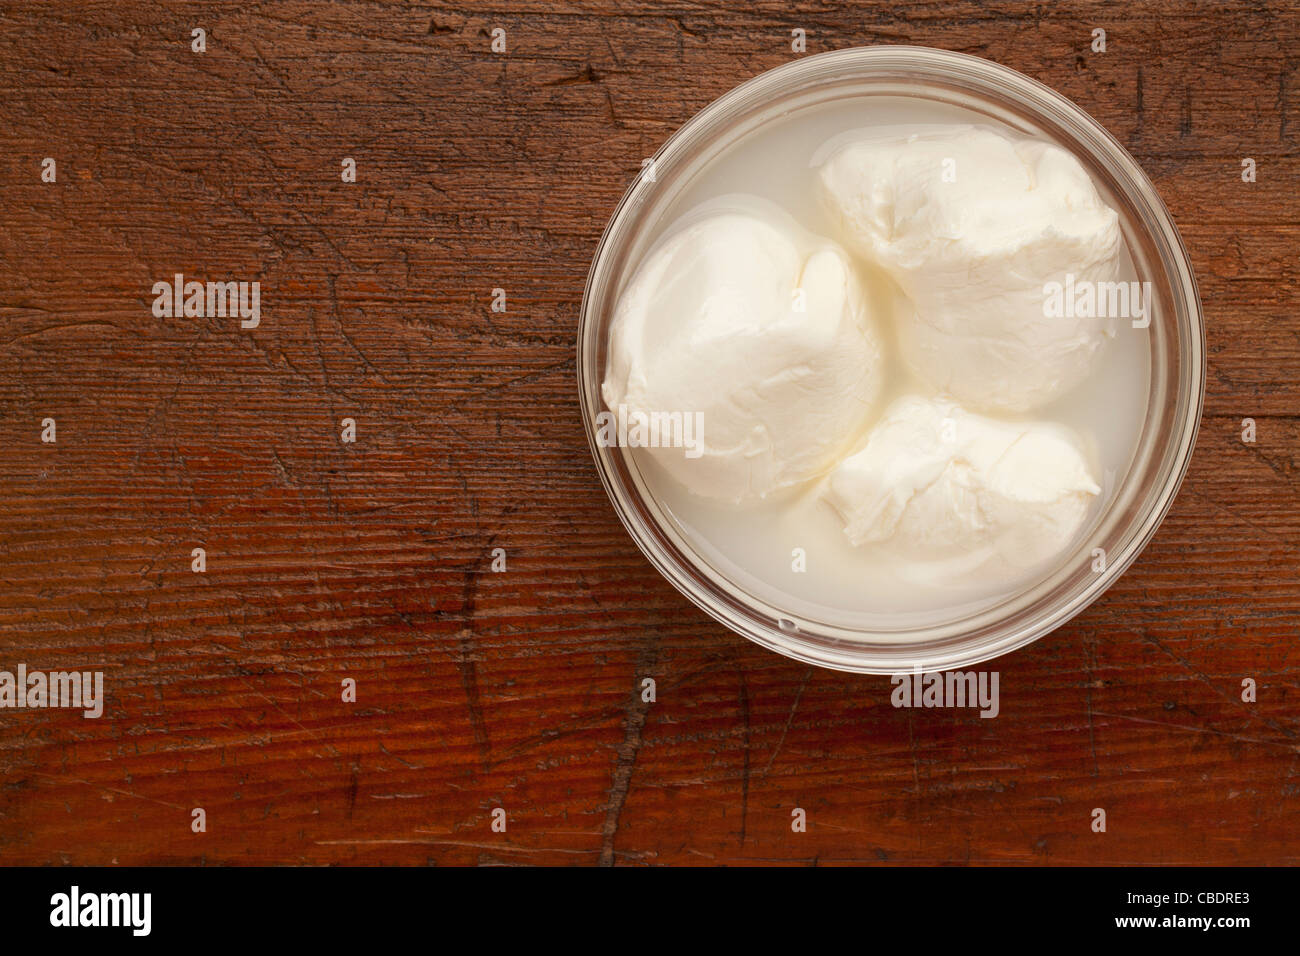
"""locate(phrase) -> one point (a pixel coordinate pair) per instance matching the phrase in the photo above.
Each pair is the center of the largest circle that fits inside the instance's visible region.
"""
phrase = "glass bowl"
(1177, 349)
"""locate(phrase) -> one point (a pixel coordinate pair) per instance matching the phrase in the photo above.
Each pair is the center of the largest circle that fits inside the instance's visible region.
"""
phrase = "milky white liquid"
(752, 546)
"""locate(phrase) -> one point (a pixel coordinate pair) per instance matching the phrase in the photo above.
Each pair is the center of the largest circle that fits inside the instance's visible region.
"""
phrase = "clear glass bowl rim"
(973, 75)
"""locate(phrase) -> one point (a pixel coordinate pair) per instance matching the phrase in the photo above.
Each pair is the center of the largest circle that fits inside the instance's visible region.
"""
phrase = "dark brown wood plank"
(481, 690)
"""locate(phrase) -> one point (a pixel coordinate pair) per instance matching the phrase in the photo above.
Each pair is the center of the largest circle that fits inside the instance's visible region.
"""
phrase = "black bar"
(370, 905)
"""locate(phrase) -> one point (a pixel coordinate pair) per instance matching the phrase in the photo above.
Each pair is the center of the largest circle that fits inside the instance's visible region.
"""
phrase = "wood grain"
(518, 690)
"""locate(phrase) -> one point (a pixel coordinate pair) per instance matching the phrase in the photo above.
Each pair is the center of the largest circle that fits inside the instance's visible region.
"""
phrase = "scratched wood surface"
(371, 560)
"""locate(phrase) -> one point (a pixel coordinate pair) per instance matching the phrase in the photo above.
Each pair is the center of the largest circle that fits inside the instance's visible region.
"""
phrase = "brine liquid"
(753, 545)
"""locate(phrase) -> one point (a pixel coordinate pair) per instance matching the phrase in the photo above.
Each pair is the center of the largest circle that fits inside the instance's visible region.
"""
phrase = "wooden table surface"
(371, 561)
